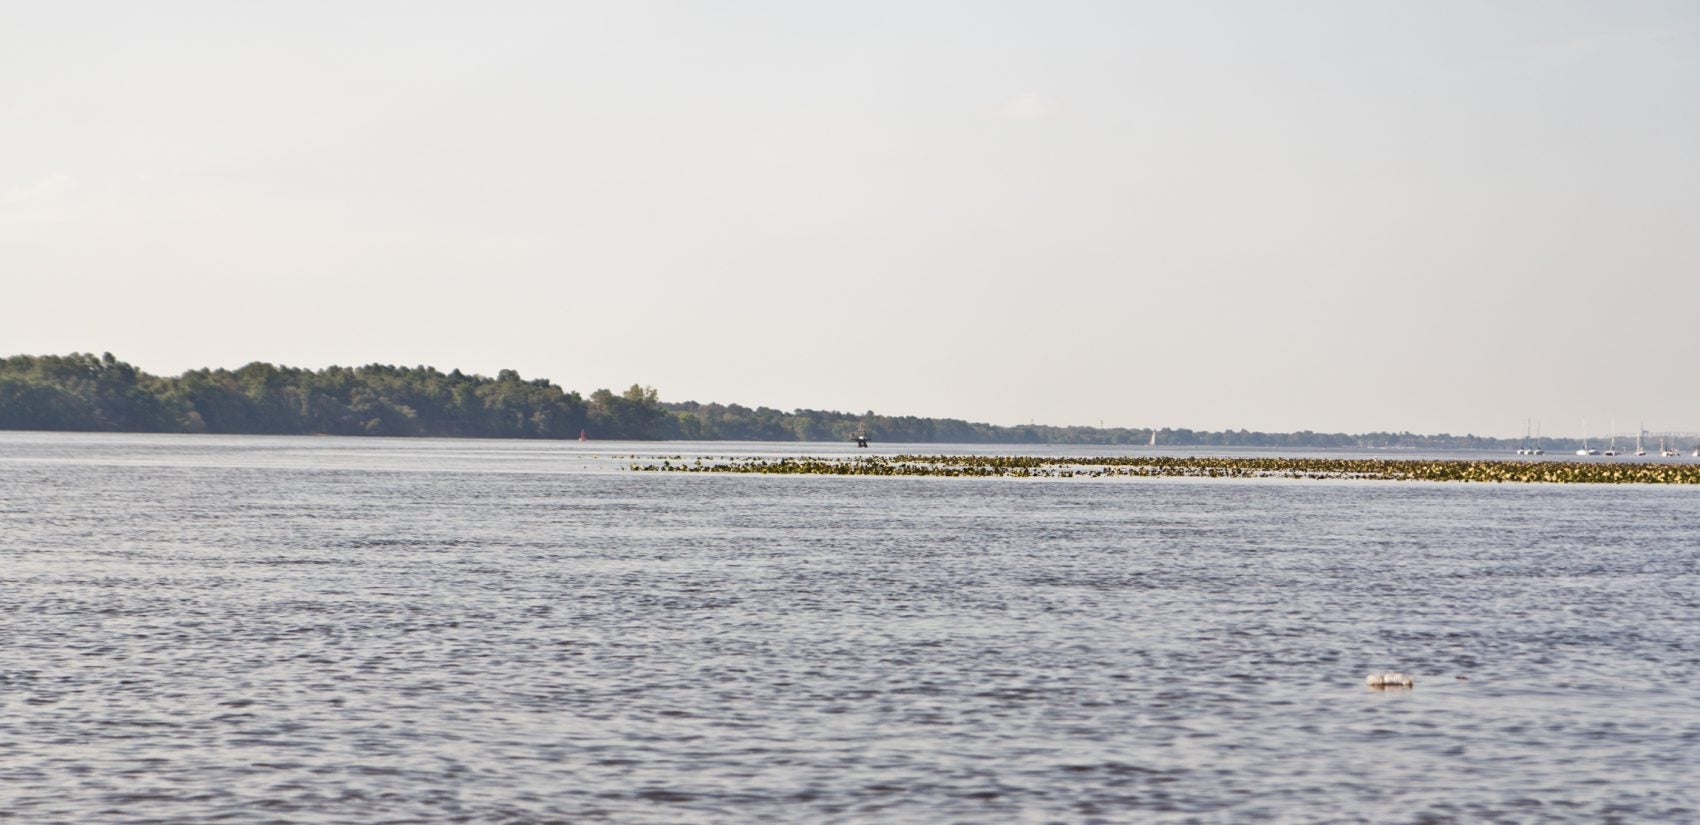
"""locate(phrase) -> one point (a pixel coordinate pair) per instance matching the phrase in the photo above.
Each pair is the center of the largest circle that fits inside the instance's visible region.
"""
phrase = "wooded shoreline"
(85, 392)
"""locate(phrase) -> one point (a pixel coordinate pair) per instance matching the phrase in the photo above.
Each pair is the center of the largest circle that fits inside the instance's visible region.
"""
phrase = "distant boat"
(1529, 447)
(1668, 452)
(1154, 440)
(1639, 450)
(1585, 450)
(1612, 450)
(581, 436)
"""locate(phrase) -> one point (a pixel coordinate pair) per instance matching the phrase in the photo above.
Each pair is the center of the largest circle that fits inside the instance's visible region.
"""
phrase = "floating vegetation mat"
(1380, 469)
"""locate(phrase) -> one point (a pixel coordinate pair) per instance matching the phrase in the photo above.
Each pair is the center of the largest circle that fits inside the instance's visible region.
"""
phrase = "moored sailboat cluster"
(1531, 446)
(1669, 443)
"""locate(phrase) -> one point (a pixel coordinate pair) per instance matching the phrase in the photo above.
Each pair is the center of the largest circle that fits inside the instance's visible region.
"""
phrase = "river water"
(259, 629)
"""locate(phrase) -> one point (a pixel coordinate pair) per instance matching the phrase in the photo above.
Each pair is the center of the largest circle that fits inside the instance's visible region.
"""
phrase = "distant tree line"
(85, 392)
(102, 393)
(732, 422)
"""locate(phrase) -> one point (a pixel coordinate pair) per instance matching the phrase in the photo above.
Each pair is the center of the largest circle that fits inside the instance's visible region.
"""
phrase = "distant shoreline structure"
(85, 392)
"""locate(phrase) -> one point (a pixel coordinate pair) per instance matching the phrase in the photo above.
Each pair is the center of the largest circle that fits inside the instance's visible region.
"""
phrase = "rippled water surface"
(198, 629)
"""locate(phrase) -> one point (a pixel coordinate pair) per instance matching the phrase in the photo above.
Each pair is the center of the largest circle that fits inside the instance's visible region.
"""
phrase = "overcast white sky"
(1437, 216)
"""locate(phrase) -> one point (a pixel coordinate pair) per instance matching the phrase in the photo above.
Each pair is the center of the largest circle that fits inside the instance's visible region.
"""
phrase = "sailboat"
(1153, 438)
(1585, 450)
(1639, 450)
(1612, 450)
(1668, 452)
(1529, 447)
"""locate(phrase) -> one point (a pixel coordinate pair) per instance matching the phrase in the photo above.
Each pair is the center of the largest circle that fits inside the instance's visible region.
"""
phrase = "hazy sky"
(1334, 216)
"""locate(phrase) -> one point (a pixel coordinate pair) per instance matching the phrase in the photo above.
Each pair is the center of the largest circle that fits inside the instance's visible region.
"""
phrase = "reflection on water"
(300, 629)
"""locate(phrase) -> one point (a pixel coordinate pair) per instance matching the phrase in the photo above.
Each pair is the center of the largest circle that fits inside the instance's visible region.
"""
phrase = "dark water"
(198, 629)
